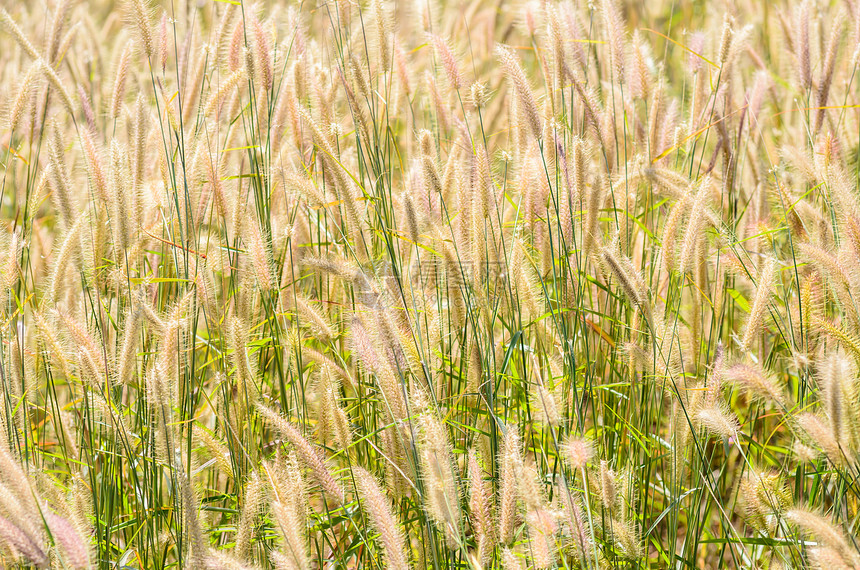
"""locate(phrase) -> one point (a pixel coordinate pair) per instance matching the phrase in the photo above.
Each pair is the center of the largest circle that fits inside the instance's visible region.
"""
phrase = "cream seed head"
(138, 14)
(522, 90)
(120, 82)
(578, 452)
(382, 518)
(449, 62)
(10, 25)
(28, 84)
(479, 95)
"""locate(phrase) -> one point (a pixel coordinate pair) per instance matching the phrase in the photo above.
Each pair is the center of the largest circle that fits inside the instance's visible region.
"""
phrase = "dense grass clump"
(467, 284)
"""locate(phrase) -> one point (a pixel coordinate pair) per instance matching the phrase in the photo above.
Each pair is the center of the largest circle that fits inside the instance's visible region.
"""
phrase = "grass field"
(423, 284)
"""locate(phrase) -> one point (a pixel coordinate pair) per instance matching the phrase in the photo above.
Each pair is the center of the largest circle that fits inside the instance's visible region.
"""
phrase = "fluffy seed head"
(449, 61)
(138, 14)
(719, 421)
(756, 380)
(578, 452)
(512, 464)
(382, 519)
(760, 303)
(479, 94)
(522, 90)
